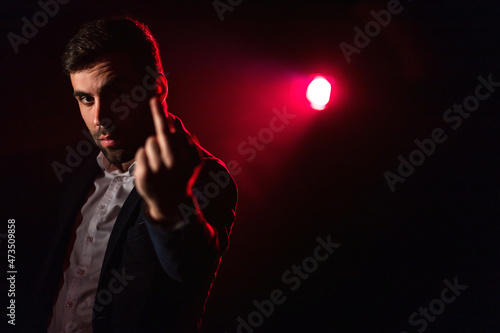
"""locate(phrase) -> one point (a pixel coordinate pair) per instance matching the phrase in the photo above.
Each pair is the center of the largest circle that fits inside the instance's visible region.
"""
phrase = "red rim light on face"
(318, 93)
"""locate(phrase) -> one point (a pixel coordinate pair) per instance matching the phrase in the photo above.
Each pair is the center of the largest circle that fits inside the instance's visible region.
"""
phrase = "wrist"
(170, 213)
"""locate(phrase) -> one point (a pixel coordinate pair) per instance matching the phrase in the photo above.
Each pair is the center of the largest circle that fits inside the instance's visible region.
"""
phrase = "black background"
(323, 175)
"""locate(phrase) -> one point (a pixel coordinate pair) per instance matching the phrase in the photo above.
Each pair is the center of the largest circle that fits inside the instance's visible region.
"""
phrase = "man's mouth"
(107, 141)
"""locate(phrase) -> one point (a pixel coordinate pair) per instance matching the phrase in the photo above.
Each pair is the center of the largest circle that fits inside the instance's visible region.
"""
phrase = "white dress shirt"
(72, 311)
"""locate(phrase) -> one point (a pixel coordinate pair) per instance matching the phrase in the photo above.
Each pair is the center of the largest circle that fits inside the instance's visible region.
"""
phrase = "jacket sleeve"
(192, 252)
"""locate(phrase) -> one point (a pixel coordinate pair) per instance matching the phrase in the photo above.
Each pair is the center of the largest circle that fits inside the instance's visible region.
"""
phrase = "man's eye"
(86, 99)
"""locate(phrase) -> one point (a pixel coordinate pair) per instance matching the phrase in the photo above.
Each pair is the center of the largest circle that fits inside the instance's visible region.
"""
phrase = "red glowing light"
(318, 93)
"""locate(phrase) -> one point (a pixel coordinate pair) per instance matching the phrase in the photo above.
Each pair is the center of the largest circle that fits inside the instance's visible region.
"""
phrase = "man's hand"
(165, 166)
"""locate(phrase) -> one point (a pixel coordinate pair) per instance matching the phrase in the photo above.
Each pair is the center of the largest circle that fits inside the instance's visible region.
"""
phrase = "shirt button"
(69, 304)
(101, 207)
(119, 178)
(90, 239)
(80, 272)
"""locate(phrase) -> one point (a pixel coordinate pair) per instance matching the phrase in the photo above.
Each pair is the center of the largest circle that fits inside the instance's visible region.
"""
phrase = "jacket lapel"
(81, 185)
(126, 218)
(75, 190)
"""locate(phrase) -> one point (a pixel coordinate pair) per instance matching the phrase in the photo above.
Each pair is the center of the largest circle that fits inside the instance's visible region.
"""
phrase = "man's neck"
(123, 167)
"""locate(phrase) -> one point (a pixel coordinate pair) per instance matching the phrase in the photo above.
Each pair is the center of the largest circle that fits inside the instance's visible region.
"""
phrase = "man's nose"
(101, 114)
(97, 114)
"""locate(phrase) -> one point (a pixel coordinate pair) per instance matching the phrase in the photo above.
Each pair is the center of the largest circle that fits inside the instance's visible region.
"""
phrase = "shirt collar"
(113, 169)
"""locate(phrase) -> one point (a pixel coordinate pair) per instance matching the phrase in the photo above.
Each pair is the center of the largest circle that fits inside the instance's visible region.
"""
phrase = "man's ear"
(161, 86)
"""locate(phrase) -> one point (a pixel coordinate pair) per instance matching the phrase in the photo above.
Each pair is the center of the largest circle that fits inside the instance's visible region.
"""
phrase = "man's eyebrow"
(79, 93)
(108, 84)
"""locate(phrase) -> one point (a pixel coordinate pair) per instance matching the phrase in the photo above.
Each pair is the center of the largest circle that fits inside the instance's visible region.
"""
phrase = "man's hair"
(108, 35)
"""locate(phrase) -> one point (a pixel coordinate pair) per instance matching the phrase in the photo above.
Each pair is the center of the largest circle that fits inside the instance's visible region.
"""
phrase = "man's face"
(119, 120)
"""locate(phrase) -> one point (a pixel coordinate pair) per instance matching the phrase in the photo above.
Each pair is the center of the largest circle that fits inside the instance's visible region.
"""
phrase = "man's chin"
(117, 156)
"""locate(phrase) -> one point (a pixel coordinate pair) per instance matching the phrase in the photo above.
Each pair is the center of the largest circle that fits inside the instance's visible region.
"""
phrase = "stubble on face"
(115, 155)
(126, 133)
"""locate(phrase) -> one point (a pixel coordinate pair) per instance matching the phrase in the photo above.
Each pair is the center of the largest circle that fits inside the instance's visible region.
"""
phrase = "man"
(143, 224)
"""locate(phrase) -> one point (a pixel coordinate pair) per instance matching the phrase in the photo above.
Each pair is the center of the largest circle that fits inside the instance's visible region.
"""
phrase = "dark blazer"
(152, 280)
